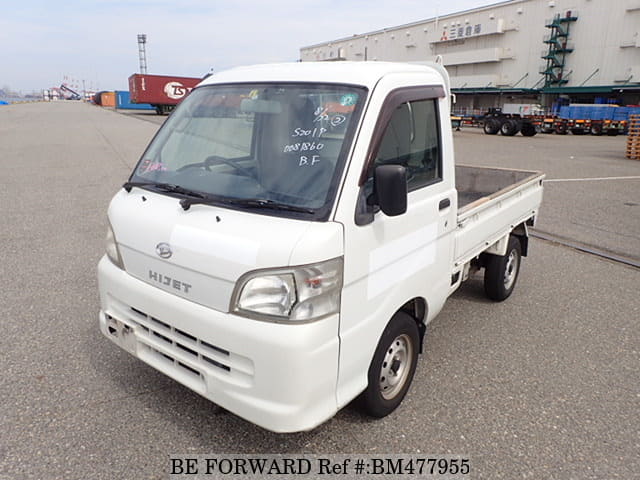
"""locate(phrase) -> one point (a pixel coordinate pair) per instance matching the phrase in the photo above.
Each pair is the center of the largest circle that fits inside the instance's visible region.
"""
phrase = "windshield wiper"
(167, 187)
(266, 203)
(245, 202)
(201, 199)
(197, 198)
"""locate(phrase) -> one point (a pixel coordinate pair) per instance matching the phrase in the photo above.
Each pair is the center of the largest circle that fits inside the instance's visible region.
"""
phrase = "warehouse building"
(519, 51)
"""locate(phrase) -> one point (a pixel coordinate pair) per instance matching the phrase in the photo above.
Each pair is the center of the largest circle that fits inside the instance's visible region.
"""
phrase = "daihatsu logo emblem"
(164, 250)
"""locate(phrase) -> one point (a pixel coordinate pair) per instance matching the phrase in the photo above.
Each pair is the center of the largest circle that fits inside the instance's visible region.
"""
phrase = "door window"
(411, 139)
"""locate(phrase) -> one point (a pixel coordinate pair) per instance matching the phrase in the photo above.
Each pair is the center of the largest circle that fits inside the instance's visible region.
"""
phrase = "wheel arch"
(417, 308)
(522, 234)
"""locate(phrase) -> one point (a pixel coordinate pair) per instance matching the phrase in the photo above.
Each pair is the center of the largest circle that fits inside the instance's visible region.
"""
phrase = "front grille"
(182, 352)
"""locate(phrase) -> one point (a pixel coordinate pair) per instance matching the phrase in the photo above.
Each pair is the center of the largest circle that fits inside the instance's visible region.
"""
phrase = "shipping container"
(596, 119)
(161, 91)
(108, 99)
(123, 102)
(524, 109)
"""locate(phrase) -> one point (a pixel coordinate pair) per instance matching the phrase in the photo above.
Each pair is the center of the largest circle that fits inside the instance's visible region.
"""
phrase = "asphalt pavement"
(544, 385)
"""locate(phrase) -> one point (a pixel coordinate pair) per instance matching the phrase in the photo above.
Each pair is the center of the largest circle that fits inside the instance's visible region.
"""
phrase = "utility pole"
(142, 52)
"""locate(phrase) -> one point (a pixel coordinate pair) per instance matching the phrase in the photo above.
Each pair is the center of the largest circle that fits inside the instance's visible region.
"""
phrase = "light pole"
(142, 52)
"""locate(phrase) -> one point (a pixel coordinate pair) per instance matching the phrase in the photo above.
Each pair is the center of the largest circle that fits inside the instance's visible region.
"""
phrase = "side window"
(411, 139)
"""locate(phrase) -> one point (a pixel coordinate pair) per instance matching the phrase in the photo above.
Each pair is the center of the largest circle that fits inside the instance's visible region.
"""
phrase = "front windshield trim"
(320, 213)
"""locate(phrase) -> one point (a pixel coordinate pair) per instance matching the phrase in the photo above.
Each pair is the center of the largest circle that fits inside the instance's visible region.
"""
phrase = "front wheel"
(392, 368)
(501, 272)
(491, 126)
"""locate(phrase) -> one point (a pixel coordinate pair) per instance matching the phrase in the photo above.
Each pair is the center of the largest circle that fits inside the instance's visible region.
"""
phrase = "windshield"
(267, 146)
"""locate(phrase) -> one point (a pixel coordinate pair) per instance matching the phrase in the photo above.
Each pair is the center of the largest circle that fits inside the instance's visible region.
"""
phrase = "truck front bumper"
(281, 377)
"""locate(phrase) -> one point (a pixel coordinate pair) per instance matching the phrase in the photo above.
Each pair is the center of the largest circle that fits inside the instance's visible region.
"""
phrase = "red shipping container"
(160, 90)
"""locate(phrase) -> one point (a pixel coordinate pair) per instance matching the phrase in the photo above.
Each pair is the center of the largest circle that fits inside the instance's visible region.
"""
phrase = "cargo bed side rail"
(485, 221)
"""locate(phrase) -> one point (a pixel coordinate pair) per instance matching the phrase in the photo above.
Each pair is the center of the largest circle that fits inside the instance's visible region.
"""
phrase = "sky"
(92, 44)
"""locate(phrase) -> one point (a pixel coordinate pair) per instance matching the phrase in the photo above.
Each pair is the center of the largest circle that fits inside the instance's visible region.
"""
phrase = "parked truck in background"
(584, 119)
(161, 91)
(290, 232)
(508, 123)
(578, 119)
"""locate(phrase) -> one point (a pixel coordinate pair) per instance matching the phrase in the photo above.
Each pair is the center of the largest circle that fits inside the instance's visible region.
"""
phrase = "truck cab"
(291, 230)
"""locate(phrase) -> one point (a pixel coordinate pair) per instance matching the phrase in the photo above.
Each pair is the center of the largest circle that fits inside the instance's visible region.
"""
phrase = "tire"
(392, 367)
(528, 129)
(491, 126)
(501, 272)
(577, 131)
(612, 132)
(596, 129)
(163, 109)
(509, 128)
(561, 129)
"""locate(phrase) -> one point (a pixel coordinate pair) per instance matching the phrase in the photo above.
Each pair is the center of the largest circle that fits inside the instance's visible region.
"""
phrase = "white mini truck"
(291, 230)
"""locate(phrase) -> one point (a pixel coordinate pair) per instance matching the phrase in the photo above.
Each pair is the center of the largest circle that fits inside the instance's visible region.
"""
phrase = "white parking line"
(635, 177)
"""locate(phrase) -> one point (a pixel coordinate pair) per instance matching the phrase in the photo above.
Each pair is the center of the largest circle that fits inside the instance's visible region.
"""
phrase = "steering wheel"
(213, 159)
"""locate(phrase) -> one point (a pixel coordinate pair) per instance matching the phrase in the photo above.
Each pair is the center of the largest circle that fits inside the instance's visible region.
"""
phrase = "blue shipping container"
(621, 113)
(597, 112)
(578, 112)
(123, 101)
(603, 113)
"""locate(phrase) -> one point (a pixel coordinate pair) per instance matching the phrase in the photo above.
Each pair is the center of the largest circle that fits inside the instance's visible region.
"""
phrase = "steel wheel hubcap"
(511, 269)
(395, 366)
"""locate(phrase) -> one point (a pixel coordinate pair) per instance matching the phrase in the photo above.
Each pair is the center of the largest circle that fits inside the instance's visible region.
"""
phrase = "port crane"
(74, 95)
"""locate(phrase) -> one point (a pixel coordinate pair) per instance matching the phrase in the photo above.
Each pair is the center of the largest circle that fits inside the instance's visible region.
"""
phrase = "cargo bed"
(491, 202)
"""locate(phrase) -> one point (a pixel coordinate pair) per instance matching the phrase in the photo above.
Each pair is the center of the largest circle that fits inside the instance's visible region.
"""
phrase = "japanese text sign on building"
(456, 32)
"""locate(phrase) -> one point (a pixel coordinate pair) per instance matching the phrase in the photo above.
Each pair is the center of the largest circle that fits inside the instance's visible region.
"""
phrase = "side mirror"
(391, 189)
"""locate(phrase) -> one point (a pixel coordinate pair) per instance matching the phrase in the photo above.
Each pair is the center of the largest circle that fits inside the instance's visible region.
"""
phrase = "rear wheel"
(491, 126)
(509, 128)
(392, 367)
(528, 129)
(561, 129)
(501, 272)
(596, 129)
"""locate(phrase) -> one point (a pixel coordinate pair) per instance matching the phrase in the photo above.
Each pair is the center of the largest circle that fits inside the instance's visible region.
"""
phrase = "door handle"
(444, 203)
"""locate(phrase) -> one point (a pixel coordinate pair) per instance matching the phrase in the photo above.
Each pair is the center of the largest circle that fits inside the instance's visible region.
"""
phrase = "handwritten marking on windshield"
(337, 120)
(308, 161)
(302, 147)
(315, 132)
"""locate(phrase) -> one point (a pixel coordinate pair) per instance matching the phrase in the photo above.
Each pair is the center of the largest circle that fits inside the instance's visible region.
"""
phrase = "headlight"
(112, 248)
(296, 294)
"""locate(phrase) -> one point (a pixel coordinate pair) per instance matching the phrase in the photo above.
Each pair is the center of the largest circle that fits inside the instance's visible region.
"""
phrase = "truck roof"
(354, 73)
